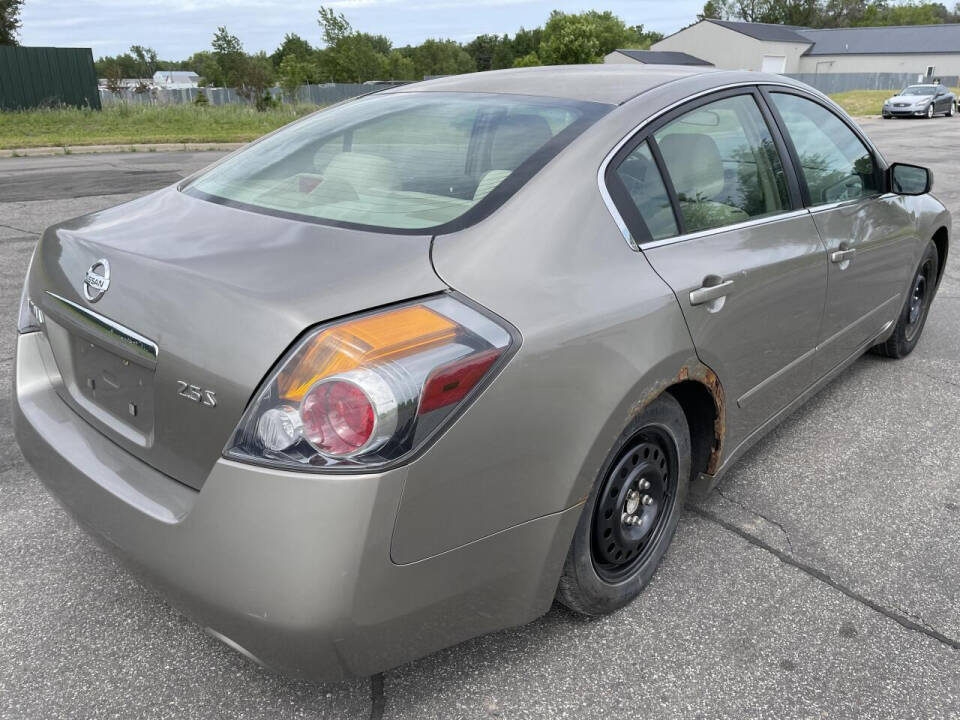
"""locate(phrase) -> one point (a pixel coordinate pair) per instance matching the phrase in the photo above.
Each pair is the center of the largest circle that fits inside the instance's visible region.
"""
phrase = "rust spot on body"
(699, 373)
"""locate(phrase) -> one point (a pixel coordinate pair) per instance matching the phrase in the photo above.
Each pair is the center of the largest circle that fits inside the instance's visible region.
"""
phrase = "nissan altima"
(412, 367)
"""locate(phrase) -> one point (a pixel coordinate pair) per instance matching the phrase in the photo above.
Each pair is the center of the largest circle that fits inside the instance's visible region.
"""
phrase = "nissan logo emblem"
(95, 283)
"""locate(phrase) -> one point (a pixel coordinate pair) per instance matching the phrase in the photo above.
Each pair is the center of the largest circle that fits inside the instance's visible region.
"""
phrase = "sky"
(178, 28)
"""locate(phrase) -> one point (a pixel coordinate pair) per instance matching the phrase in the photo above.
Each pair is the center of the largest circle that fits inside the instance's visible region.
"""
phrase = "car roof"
(610, 84)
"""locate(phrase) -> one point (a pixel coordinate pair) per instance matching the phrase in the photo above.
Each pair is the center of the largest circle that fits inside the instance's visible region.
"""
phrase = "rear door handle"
(710, 292)
(839, 256)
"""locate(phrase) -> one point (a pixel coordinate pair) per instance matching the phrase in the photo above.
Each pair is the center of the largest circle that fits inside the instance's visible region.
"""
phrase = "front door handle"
(708, 293)
(839, 256)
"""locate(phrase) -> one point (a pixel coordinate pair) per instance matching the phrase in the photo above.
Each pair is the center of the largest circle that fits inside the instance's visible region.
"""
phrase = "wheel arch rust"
(699, 391)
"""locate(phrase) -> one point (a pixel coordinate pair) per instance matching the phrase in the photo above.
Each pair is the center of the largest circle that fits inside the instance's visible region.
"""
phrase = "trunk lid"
(201, 299)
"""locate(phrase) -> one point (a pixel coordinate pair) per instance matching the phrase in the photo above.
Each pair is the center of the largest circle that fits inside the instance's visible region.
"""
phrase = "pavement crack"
(760, 515)
(377, 700)
(25, 232)
(954, 383)
(900, 617)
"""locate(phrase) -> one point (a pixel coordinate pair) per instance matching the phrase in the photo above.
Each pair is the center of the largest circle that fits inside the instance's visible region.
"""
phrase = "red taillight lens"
(451, 383)
(338, 417)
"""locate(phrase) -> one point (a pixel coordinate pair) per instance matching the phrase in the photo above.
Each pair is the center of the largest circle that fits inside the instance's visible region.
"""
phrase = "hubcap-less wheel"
(919, 299)
(634, 504)
(929, 111)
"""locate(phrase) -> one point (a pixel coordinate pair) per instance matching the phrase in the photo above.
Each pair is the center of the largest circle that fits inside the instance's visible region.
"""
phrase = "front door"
(723, 228)
(867, 234)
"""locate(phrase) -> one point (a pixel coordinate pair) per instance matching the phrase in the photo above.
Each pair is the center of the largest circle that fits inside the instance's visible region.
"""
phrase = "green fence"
(45, 77)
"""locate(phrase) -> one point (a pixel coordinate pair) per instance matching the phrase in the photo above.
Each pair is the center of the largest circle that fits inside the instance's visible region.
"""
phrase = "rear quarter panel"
(601, 335)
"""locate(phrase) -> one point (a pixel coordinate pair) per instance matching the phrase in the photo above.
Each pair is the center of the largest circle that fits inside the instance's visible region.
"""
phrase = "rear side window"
(639, 175)
(400, 161)
(835, 164)
(723, 164)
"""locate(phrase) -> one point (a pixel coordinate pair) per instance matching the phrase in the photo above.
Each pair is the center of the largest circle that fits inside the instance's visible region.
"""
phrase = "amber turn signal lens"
(374, 338)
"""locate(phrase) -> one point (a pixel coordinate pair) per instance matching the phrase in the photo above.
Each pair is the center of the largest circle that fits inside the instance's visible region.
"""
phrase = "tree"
(146, 60)
(570, 39)
(254, 79)
(400, 67)
(294, 72)
(205, 65)
(9, 21)
(482, 49)
(333, 25)
(503, 56)
(528, 60)
(294, 45)
(526, 42)
(229, 56)
(441, 57)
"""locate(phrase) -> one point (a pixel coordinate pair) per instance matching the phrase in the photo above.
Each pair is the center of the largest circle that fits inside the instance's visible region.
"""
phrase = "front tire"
(631, 514)
(952, 110)
(913, 316)
(929, 111)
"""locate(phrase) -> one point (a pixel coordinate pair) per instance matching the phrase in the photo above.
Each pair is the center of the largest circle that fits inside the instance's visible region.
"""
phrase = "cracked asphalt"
(821, 580)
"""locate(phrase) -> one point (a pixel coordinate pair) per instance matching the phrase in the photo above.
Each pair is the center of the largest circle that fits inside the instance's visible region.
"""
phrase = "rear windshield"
(919, 90)
(413, 161)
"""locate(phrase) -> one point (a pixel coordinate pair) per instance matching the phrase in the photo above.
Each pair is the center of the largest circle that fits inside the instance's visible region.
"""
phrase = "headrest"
(363, 171)
(516, 138)
(694, 164)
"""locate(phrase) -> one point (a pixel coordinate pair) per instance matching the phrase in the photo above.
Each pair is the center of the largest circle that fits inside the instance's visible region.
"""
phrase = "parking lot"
(822, 579)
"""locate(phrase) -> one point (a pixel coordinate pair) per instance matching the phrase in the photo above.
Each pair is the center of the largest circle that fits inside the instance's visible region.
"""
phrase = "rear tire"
(913, 316)
(611, 559)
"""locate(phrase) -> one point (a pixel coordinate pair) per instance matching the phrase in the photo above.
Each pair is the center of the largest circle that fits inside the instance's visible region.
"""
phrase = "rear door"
(709, 194)
(868, 234)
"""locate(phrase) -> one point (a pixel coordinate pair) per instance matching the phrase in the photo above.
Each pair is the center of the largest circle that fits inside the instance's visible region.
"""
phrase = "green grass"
(122, 124)
(864, 102)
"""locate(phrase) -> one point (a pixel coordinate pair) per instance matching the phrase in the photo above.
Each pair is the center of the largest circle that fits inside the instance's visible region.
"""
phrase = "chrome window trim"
(826, 207)
(637, 129)
(110, 331)
(752, 222)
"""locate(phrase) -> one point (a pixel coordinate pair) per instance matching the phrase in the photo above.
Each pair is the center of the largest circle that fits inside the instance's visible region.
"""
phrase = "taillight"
(373, 389)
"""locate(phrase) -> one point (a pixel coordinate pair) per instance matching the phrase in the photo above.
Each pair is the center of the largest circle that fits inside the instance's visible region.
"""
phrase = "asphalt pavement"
(822, 579)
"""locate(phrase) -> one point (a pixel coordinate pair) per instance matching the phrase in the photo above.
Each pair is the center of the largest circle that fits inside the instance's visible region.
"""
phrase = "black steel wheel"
(913, 316)
(633, 505)
(631, 513)
(918, 302)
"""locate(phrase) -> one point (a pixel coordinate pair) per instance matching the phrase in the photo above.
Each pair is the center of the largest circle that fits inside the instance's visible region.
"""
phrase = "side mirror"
(906, 179)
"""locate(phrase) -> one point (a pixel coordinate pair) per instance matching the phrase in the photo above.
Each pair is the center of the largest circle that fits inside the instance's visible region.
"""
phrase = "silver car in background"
(921, 101)
(411, 368)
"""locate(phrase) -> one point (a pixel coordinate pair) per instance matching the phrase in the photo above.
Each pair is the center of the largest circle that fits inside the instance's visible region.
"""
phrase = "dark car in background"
(921, 101)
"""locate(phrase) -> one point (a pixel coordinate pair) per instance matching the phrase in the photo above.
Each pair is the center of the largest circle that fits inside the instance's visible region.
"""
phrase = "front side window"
(835, 163)
(723, 163)
(399, 161)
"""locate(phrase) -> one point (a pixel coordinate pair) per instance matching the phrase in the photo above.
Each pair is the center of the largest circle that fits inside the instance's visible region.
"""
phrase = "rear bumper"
(292, 569)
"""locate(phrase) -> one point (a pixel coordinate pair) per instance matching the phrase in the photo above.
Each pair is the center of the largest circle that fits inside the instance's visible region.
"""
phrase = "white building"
(175, 79)
(931, 50)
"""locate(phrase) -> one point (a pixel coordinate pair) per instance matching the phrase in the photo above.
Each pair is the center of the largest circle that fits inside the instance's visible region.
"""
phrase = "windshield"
(400, 161)
(919, 90)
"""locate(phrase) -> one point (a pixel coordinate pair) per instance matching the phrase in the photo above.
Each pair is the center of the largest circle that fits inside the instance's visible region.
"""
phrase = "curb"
(93, 149)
